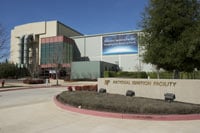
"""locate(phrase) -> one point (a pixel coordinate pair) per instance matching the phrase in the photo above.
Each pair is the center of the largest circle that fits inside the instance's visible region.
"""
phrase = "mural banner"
(120, 44)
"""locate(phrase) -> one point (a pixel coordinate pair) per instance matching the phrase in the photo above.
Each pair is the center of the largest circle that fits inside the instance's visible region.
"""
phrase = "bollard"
(2, 83)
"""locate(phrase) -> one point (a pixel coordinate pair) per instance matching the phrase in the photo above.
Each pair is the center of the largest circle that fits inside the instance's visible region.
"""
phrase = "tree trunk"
(158, 72)
(176, 74)
(56, 76)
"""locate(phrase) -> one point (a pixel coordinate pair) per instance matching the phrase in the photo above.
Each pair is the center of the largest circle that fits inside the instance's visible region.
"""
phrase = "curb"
(128, 116)
(26, 88)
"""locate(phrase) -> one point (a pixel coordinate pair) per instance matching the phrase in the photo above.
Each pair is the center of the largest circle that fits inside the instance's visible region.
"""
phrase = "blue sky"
(85, 16)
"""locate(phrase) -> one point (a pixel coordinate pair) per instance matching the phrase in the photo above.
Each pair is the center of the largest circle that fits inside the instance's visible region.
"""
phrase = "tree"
(32, 66)
(7, 70)
(10, 70)
(172, 34)
(3, 43)
(56, 58)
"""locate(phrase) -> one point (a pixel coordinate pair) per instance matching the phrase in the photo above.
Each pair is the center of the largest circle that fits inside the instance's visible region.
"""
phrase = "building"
(51, 46)
(90, 69)
(121, 48)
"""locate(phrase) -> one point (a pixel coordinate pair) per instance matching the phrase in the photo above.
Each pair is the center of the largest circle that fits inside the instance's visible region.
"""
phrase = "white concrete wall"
(67, 31)
(185, 90)
(93, 48)
(89, 46)
(36, 28)
(81, 46)
(50, 29)
(14, 48)
(127, 62)
(18, 31)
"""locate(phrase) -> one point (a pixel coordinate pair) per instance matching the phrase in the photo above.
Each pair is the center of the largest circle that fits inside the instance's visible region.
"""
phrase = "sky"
(86, 16)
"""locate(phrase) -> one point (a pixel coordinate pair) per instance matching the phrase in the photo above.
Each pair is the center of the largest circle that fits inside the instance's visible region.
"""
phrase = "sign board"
(120, 44)
(185, 90)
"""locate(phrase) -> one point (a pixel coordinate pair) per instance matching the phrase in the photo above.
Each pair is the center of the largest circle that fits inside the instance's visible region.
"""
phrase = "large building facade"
(45, 45)
(121, 48)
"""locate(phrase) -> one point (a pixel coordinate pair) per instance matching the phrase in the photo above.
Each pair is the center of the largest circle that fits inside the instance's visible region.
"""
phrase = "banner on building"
(120, 44)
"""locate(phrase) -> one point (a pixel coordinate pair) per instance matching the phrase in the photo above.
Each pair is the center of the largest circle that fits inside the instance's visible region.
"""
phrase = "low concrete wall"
(185, 90)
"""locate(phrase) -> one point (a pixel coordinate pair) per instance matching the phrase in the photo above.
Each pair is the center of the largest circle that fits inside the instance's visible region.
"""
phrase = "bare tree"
(33, 66)
(57, 59)
(4, 47)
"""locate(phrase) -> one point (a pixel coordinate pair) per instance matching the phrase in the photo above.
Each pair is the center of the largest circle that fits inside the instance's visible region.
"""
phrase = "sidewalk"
(12, 84)
(46, 117)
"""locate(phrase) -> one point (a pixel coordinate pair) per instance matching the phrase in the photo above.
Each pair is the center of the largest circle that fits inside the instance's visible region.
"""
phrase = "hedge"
(170, 75)
(192, 75)
(152, 75)
(83, 88)
(163, 75)
(33, 81)
(125, 74)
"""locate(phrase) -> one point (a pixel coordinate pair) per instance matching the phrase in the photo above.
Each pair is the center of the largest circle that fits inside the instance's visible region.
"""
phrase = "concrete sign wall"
(185, 90)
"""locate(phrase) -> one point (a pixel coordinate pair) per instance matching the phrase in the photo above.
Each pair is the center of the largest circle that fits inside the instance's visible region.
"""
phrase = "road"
(27, 97)
(33, 111)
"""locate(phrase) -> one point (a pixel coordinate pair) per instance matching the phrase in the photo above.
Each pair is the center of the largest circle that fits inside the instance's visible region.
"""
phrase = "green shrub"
(124, 104)
(197, 74)
(170, 75)
(152, 75)
(86, 88)
(7, 70)
(125, 74)
(163, 75)
(166, 75)
(112, 74)
(192, 75)
(33, 81)
(106, 74)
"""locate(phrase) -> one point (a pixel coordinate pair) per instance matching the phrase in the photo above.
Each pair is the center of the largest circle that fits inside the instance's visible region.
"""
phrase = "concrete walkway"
(47, 118)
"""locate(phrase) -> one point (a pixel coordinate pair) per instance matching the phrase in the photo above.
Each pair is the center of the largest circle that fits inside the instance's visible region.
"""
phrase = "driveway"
(33, 111)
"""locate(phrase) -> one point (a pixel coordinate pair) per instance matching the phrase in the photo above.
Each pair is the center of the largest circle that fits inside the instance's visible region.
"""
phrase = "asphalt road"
(27, 97)
(33, 111)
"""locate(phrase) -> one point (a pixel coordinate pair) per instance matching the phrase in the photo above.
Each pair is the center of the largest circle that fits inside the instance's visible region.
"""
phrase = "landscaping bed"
(33, 81)
(124, 104)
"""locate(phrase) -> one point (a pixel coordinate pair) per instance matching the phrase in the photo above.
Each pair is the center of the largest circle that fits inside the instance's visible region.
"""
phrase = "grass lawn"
(124, 104)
